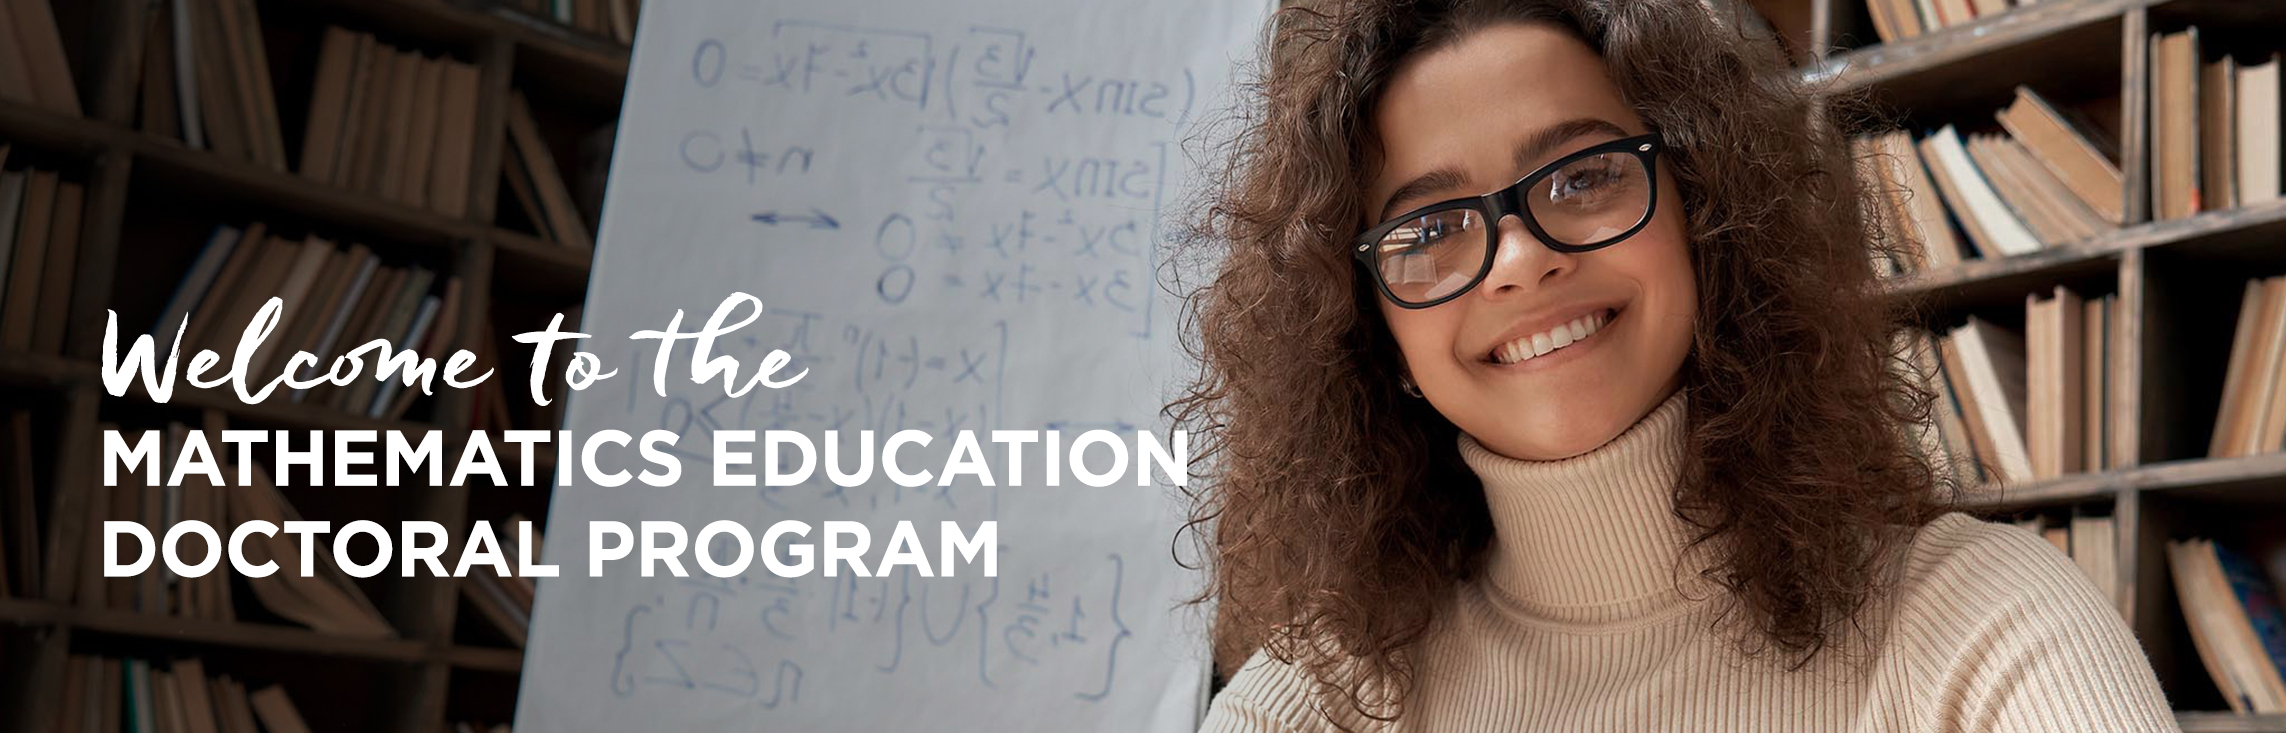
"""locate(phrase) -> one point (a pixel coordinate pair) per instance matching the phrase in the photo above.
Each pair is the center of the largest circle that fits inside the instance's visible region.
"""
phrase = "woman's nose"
(1521, 265)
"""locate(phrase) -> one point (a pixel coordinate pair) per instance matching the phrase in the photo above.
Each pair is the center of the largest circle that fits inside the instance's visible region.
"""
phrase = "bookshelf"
(150, 202)
(2178, 280)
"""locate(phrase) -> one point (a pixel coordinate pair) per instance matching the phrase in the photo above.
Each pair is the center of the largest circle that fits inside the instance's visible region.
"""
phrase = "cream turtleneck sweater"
(1589, 618)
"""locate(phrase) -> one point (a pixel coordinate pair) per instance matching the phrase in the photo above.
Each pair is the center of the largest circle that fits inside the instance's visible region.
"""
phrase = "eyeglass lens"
(1587, 202)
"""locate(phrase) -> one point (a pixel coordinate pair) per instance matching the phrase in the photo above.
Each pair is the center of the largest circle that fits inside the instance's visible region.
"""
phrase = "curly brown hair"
(1333, 511)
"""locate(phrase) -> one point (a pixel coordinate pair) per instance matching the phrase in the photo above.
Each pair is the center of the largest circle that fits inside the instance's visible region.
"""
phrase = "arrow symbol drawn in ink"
(816, 219)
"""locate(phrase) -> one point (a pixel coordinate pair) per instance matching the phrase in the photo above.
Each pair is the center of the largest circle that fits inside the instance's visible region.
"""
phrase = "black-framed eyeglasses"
(1588, 200)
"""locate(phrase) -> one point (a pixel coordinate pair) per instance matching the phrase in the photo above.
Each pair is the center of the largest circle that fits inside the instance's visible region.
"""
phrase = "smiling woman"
(1480, 113)
(1547, 386)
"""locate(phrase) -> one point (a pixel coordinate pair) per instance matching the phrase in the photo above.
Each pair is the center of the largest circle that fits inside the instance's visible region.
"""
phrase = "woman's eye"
(1586, 178)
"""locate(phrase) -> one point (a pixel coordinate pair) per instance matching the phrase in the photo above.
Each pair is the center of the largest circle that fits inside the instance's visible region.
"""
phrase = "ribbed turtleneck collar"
(1591, 539)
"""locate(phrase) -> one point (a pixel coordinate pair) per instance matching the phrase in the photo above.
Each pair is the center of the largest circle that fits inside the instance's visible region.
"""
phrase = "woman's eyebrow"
(1534, 148)
(1422, 185)
(1537, 147)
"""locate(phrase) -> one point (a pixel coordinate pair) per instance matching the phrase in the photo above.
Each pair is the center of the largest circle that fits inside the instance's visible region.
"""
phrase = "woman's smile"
(1556, 345)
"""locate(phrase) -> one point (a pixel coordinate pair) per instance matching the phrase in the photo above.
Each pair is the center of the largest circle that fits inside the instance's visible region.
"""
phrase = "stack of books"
(206, 81)
(392, 122)
(382, 120)
(1897, 20)
(2231, 604)
(2045, 178)
(40, 217)
(134, 695)
(2252, 416)
(2014, 406)
(33, 68)
(335, 299)
(2215, 128)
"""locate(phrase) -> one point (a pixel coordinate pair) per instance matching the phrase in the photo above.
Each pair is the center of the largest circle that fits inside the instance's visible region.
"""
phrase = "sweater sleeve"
(1266, 696)
(2026, 642)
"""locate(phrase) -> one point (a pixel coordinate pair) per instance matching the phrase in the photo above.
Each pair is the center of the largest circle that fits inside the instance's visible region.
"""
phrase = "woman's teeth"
(1526, 348)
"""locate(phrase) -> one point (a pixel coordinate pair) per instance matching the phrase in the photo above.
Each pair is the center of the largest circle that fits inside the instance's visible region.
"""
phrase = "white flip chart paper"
(950, 213)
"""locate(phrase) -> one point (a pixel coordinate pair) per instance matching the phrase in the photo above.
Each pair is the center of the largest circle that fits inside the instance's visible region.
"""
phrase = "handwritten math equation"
(735, 639)
(994, 214)
(947, 215)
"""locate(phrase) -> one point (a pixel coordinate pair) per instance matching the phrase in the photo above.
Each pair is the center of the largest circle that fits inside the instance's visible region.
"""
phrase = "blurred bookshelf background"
(423, 171)
(2093, 187)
